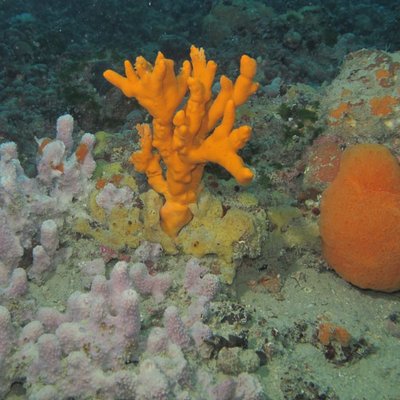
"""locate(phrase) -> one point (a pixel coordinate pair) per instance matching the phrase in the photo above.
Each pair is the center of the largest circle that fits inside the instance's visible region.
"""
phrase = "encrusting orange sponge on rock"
(360, 219)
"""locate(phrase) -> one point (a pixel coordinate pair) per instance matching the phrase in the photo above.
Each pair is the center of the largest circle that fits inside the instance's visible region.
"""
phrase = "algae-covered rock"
(362, 103)
(292, 228)
(235, 360)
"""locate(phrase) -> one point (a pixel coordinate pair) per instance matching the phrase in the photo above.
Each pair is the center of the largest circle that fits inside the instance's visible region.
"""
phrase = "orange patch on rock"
(328, 332)
(382, 74)
(384, 77)
(382, 106)
(116, 179)
(360, 219)
(101, 183)
(340, 110)
(323, 161)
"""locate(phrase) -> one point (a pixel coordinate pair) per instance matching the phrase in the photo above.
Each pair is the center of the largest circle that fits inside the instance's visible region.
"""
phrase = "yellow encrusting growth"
(186, 139)
(116, 229)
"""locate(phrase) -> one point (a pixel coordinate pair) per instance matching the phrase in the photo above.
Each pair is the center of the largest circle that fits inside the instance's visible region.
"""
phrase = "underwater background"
(98, 302)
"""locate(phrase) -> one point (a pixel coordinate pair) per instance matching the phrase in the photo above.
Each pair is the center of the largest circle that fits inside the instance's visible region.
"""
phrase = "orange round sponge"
(360, 218)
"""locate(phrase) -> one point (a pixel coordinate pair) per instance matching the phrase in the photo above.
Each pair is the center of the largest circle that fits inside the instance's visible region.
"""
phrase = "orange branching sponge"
(186, 139)
(360, 218)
